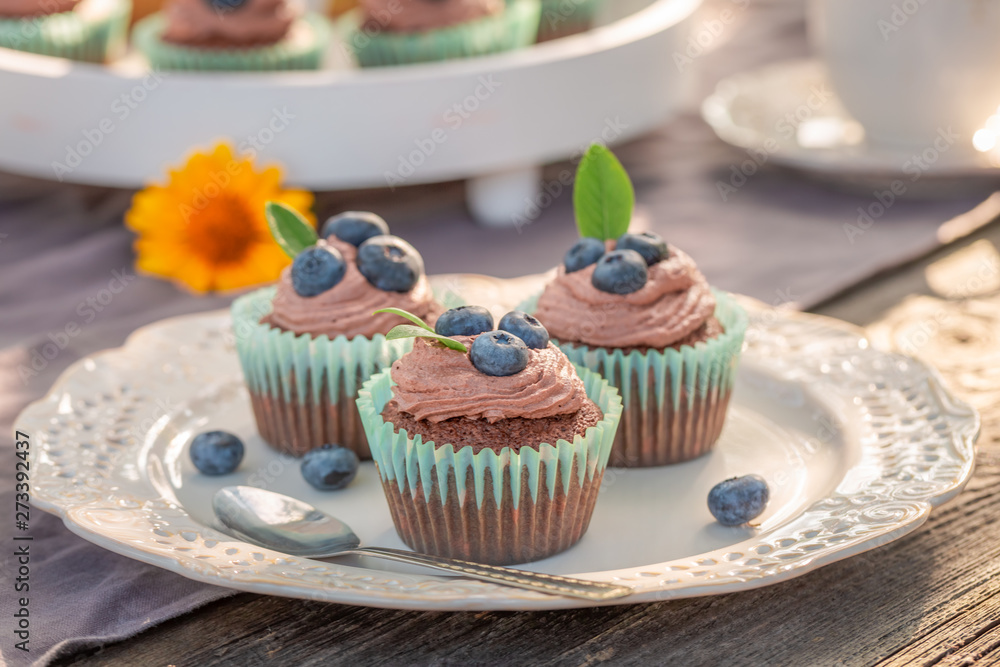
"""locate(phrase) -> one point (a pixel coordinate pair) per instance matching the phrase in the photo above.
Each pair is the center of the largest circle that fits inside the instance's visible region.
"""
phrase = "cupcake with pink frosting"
(637, 310)
(399, 32)
(490, 444)
(308, 343)
(86, 30)
(233, 35)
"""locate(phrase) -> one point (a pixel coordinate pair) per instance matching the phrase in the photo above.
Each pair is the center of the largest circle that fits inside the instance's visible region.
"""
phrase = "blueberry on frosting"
(584, 252)
(620, 272)
(355, 227)
(499, 354)
(527, 328)
(464, 321)
(317, 269)
(390, 263)
(651, 246)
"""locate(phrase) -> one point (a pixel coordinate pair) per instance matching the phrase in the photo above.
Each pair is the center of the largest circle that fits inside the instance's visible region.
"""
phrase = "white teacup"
(912, 71)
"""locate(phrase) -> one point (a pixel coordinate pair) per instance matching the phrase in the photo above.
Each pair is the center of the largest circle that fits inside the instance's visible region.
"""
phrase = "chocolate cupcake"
(307, 344)
(638, 311)
(86, 30)
(232, 35)
(399, 32)
(494, 454)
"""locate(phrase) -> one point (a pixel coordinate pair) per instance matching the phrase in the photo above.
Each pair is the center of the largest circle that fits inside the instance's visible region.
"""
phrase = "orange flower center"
(222, 232)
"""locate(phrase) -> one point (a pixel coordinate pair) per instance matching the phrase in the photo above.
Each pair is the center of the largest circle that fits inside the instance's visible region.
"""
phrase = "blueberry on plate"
(354, 227)
(390, 263)
(738, 500)
(584, 252)
(527, 328)
(216, 452)
(620, 272)
(317, 269)
(651, 246)
(330, 467)
(464, 321)
(499, 353)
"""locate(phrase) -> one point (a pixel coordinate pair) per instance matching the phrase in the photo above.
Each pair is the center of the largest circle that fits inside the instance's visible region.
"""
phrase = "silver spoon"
(284, 524)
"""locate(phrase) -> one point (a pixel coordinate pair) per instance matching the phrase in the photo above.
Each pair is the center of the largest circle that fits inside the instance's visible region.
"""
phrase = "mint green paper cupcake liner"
(95, 36)
(675, 401)
(515, 28)
(561, 18)
(302, 49)
(491, 507)
(303, 388)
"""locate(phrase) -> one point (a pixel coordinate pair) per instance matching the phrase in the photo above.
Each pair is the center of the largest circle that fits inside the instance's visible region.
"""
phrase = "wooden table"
(930, 598)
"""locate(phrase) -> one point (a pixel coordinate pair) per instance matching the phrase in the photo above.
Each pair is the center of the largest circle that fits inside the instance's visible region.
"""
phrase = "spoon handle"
(533, 581)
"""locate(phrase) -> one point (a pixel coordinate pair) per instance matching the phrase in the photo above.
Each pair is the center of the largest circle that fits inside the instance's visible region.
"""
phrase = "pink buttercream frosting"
(29, 8)
(346, 309)
(674, 303)
(418, 15)
(434, 383)
(257, 22)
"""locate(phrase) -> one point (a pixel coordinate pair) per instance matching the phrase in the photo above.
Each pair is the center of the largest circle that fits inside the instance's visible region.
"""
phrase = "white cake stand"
(493, 120)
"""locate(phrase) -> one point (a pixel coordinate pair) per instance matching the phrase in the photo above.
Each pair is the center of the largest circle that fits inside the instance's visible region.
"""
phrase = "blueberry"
(216, 452)
(527, 328)
(738, 500)
(316, 270)
(620, 272)
(390, 263)
(651, 246)
(226, 5)
(464, 321)
(354, 227)
(584, 252)
(499, 353)
(330, 467)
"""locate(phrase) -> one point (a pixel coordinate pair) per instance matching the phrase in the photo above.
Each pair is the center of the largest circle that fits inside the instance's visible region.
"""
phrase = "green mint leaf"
(410, 331)
(603, 196)
(410, 316)
(292, 231)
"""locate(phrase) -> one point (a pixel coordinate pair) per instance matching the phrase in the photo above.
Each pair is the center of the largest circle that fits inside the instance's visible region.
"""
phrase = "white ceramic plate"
(790, 111)
(858, 447)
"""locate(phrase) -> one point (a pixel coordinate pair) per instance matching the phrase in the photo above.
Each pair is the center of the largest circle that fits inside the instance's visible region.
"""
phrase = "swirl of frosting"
(675, 302)
(434, 383)
(346, 309)
(417, 15)
(29, 8)
(203, 23)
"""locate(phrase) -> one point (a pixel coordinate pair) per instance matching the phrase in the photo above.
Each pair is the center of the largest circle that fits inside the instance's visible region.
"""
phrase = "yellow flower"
(206, 227)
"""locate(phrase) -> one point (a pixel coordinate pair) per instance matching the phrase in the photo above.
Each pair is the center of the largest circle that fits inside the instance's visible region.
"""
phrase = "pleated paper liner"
(562, 18)
(303, 388)
(303, 48)
(498, 507)
(675, 401)
(95, 31)
(515, 28)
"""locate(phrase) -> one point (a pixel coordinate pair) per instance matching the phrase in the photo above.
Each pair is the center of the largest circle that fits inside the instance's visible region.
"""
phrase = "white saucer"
(789, 111)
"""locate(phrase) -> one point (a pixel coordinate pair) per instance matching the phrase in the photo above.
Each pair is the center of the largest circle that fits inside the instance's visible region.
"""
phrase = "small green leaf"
(292, 231)
(410, 316)
(410, 331)
(603, 196)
